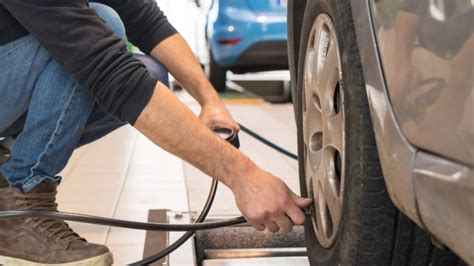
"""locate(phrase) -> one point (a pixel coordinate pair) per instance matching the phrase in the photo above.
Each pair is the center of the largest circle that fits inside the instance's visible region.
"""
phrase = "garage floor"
(124, 174)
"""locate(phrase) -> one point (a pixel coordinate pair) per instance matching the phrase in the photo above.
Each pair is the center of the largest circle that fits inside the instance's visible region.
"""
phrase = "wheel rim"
(323, 129)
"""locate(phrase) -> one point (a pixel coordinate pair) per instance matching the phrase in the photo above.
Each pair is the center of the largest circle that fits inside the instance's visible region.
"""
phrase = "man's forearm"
(178, 58)
(264, 200)
(171, 125)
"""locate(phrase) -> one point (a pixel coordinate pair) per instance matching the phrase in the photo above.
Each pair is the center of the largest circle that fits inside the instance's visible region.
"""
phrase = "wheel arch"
(395, 153)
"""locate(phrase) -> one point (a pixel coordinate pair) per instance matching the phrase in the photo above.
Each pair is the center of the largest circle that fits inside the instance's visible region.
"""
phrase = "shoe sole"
(104, 259)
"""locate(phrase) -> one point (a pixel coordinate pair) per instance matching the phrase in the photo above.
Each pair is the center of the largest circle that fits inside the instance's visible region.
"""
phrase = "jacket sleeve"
(145, 23)
(87, 49)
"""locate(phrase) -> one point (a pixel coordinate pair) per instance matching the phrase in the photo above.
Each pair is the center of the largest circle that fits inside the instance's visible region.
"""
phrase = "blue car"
(245, 36)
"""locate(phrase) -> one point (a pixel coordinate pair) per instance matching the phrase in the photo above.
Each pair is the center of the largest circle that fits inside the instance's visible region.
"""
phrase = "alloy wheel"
(323, 129)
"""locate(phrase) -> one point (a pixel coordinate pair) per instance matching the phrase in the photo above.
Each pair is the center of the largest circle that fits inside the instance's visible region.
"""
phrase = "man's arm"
(178, 58)
(263, 199)
(176, 55)
(148, 28)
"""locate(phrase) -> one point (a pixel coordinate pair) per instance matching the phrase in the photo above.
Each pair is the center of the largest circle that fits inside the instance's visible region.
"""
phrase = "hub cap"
(323, 127)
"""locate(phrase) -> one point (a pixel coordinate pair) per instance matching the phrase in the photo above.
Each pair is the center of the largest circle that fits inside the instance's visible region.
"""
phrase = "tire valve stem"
(309, 211)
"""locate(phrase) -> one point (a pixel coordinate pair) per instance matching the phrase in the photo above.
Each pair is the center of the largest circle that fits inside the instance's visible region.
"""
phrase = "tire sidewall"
(338, 253)
(215, 73)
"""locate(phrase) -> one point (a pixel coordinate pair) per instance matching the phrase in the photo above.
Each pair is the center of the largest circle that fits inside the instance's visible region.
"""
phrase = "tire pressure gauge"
(228, 135)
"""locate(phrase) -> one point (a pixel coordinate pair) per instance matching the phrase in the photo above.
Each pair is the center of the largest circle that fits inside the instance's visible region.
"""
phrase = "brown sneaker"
(31, 241)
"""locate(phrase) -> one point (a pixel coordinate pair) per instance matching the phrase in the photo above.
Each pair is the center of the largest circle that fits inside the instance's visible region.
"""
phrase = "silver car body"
(418, 69)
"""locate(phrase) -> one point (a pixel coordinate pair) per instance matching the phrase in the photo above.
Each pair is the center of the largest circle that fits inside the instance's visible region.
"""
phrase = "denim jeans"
(47, 111)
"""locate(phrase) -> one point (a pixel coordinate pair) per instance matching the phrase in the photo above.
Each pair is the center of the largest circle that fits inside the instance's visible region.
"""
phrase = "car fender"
(395, 152)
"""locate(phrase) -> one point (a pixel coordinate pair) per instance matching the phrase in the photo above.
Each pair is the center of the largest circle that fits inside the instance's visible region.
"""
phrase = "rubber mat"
(246, 237)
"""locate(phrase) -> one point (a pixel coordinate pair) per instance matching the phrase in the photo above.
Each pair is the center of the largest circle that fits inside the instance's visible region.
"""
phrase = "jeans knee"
(155, 68)
(111, 17)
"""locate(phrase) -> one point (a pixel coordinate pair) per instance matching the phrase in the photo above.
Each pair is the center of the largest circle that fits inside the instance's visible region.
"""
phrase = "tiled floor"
(124, 175)
(121, 176)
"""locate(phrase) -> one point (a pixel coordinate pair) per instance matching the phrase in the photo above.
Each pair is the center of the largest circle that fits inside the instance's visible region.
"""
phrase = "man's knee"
(155, 68)
(111, 17)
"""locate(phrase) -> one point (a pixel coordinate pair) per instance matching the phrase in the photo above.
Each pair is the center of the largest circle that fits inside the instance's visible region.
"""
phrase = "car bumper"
(258, 38)
(267, 55)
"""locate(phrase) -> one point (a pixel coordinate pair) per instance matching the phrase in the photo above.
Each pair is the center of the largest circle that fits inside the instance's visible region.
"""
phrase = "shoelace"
(56, 230)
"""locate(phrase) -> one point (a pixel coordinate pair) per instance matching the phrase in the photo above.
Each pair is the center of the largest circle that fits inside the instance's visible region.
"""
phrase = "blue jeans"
(47, 111)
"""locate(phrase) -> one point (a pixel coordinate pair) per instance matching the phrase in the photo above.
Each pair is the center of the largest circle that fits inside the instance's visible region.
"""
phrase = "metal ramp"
(289, 261)
(256, 256)
(273, 86)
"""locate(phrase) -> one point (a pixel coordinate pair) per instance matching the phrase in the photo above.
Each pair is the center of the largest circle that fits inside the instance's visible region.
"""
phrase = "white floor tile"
(121, 236)
(126, 254)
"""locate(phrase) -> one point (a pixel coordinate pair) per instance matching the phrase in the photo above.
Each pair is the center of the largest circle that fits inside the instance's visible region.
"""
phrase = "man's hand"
(178, 58)
(216, 115)
(266, 202)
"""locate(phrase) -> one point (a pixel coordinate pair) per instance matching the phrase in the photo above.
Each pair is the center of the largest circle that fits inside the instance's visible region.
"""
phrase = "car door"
(426, 49)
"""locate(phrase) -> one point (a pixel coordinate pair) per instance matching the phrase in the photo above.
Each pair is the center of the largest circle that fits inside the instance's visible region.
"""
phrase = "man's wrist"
(240, 171)
(210, 102)
(208, 96)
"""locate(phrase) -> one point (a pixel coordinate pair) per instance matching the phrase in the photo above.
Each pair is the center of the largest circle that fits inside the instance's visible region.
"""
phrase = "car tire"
(371, 231)
(216, 74)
